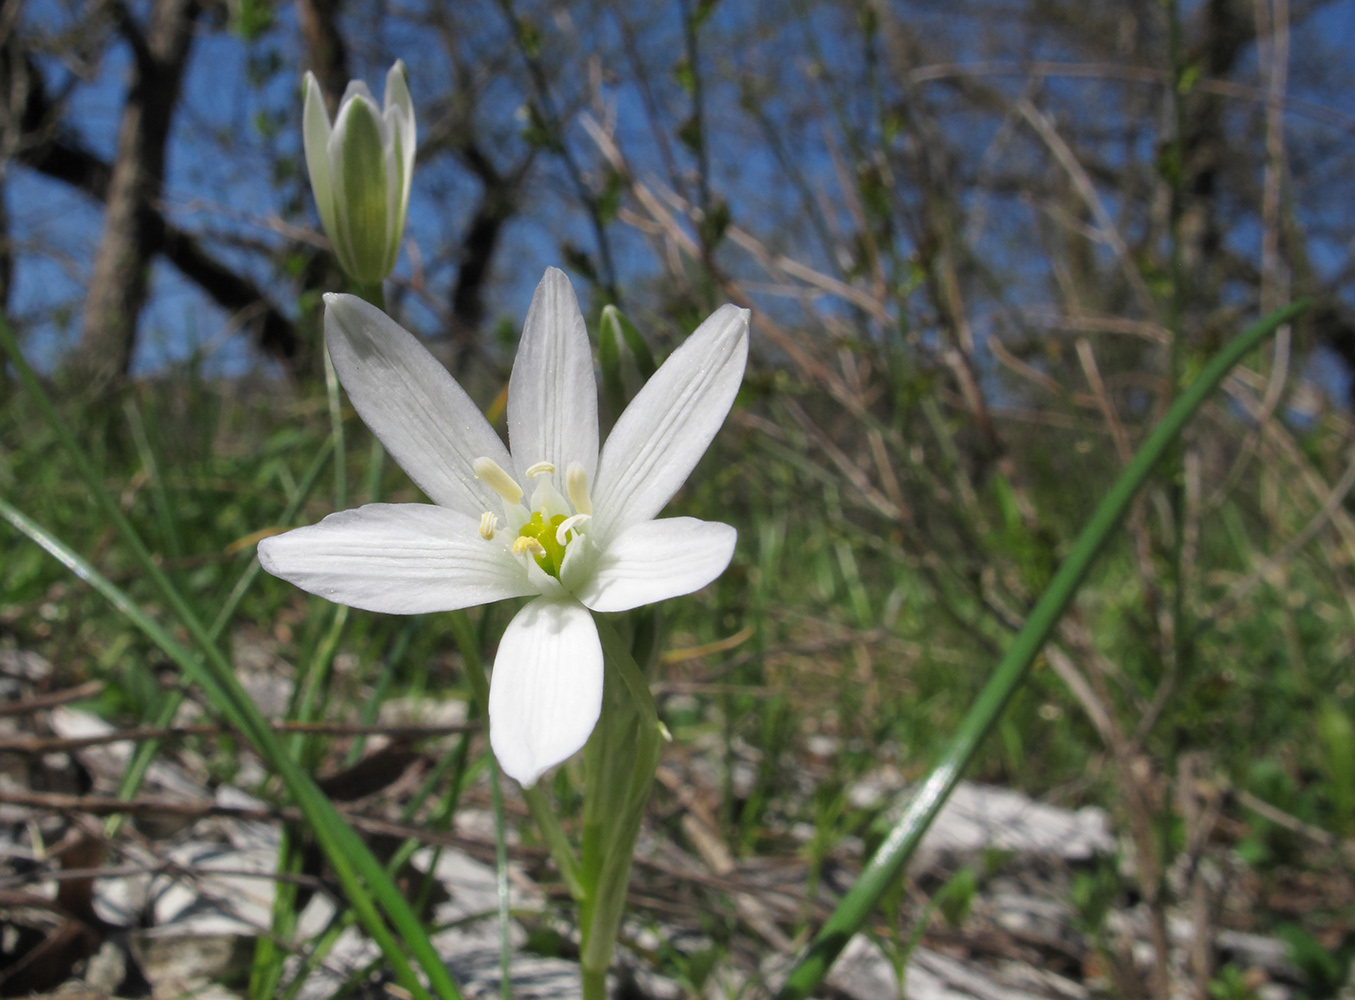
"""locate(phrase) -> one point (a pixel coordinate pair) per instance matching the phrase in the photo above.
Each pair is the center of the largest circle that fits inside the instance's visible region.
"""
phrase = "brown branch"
(42, 702)
(52, 744)
(119, 280)
(325, 49)
(43, 146)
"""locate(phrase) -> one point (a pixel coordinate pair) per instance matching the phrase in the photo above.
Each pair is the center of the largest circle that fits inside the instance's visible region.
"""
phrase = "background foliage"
(985, 243)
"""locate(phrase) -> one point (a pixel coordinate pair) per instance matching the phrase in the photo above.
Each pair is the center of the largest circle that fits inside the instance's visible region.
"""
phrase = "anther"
(488, 524)
(492, 475)
(576, 483)
(540, 469)
(568, 525)
(525, 544)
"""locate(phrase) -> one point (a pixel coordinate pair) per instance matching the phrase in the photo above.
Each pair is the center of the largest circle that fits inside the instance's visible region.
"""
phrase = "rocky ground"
(173, 904)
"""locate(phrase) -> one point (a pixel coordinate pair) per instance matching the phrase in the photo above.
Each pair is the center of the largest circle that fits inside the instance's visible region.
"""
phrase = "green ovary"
(544, 532)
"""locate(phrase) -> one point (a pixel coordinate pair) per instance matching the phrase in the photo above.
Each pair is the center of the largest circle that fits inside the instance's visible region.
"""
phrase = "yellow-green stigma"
(539, 537)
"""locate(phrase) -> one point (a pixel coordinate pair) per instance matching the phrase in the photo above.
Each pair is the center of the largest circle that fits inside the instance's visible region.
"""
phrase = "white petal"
(655, 560)
(669, 424)
(339, 237)
(315, 139)
(403, 559)
(398, 123)
(397, 98)
(355, 89)
(546, 690)
(425, 420)
(397, 201)
(552, 394)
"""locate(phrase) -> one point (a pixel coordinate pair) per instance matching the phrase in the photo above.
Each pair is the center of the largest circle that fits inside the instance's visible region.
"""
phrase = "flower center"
(539, 537)
(546, 533)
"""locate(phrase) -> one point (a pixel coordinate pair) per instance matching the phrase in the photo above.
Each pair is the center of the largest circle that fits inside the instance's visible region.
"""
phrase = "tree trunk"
(325, 49)
(118, 286)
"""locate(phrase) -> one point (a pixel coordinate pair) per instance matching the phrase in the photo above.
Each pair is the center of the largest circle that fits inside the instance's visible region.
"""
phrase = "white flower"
(554, 518)
(361, 171)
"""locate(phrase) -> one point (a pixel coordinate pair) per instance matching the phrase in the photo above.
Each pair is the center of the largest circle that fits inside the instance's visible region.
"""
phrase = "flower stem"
(554, 835)
(336, 433)
(619, 763)
(375, 294)
(594, 983)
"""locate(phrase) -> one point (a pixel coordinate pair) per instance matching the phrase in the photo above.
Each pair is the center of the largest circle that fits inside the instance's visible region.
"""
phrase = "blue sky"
(219, 172)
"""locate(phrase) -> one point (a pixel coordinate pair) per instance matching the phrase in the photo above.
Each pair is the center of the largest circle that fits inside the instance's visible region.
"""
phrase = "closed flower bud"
(361, 169)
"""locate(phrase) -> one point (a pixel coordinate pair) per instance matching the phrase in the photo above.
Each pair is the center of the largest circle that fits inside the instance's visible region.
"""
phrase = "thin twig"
(57, 744)
(43, 702)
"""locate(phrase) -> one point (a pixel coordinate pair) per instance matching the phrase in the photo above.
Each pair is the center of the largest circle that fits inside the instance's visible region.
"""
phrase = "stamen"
(525, 544)
(488, 524)
(568, 525)
(576, 483)
(492, 475)
(540, 469)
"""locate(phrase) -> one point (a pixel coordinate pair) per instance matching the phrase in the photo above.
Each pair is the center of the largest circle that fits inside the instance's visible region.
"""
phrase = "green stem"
(548, 823)
(336, 433)
(375, 294)
(501, 882)
(1182, 646)
(542, 813)
(594, 983)
(898, 847)
(469, 645)
(620, 760)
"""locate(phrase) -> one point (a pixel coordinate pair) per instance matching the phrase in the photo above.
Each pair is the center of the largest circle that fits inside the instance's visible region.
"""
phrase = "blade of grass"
(145, 752)
(343, 847)
(311, 688)
(270, 954)
(888, 863)
(164, 509)
(372, 708)
(310, 698)
(469, 646)
(501, 883)
(462, 776)
(347, 852)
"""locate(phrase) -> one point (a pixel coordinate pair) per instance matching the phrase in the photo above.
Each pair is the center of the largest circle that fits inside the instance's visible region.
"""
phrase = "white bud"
(361, 169)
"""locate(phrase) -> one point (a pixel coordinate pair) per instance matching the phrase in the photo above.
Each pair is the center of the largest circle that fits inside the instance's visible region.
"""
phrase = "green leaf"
(685, 77)
(1337, 737)
(889, 861)
(529, 37)
(715, 222)
(252, 18)
(1191, 74)
(956, 897)
(702, 14)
